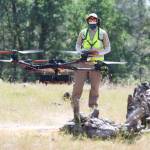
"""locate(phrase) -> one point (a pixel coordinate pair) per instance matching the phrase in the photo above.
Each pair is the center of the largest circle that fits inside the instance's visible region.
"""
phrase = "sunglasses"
(92, 19)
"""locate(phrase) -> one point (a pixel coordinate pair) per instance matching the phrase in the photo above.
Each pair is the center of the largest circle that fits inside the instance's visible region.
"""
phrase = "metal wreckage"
(137, 118)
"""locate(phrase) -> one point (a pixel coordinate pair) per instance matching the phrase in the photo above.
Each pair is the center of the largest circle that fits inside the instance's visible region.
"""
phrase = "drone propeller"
(30, 51)
(71, 52)
(113, 62)
(29, 61)
(40, 61)
(9, 61)
(7, 52)
(80, 52)
(21, 52)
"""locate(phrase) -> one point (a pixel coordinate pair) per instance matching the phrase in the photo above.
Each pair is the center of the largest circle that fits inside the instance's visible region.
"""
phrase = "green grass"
(40, 105)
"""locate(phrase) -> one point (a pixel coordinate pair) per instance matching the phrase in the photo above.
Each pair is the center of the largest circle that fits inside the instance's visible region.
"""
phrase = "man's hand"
(84, 55)
(88, 53)
(93, 53)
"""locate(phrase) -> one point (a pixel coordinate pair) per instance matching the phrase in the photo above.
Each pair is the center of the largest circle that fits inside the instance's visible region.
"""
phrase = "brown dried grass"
(37, 105)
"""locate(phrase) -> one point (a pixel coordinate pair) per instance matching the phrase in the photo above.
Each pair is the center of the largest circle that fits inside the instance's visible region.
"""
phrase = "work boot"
(95, 113)
(77, 118)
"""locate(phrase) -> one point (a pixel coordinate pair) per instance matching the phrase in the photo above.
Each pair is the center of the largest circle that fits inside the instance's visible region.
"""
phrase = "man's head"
(92, 20)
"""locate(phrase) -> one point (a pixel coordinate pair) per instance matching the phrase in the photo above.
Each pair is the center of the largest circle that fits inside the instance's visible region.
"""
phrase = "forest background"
(54, 25)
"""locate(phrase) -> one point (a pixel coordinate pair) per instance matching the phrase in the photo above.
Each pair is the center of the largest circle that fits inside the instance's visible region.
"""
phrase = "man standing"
(91, 39)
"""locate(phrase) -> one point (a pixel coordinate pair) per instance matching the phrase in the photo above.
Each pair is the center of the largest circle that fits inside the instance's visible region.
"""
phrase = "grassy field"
(30, 115)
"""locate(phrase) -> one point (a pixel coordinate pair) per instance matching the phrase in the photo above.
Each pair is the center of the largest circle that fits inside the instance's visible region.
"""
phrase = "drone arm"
(69, 66)
(27, 66)
(45, 66)
(58, 65)
(55, 66)
(38, 68)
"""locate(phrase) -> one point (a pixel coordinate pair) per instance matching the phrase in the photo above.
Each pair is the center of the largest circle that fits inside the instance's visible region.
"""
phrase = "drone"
(15, 60)
(56, 66)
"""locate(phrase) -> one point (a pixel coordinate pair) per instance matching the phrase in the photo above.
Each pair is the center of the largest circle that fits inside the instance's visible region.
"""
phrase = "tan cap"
(92, 15)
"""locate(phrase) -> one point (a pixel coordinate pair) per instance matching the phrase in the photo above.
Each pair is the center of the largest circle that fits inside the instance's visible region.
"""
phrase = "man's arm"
(79, 43)
(106, 43)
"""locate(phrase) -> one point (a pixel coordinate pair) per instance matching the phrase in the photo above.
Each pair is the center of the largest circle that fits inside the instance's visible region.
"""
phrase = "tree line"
(53, 25)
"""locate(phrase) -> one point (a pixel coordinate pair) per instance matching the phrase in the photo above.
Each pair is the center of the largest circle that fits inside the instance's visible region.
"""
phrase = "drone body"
(54, 69)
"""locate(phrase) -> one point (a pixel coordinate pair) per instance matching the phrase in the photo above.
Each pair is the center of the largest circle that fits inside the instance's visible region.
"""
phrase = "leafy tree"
(54, 25)
(137, 44)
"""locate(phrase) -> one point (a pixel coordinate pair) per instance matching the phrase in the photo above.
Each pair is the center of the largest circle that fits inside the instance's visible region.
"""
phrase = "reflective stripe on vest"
(94, 43)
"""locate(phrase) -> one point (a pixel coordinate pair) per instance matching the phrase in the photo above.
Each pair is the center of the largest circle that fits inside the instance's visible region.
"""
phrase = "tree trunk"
(16, 27)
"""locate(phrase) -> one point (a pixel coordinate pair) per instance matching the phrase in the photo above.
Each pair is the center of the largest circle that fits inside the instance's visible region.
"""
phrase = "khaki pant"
(80, 77)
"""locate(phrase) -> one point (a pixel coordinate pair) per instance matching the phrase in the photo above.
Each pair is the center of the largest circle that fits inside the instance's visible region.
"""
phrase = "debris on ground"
(137, 118)
(138, 108)
(93, 127)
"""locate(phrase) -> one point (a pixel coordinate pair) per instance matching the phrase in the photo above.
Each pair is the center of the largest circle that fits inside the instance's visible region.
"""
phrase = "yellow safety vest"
(96, 42)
